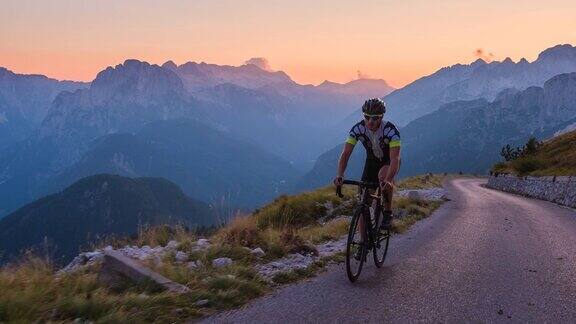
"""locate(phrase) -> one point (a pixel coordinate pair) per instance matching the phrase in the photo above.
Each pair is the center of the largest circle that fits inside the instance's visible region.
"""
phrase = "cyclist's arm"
(344, 157)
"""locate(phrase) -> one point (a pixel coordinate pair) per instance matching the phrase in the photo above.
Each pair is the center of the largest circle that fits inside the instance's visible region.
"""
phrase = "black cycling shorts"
(371, 169)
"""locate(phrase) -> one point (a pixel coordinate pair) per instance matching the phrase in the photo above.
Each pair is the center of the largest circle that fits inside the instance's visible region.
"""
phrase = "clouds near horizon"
(260, 62)
(312, 41)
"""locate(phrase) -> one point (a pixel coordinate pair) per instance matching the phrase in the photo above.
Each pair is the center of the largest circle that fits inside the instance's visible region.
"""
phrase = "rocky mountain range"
(477, 80)
(199, 76)
(24, 102)
(206, 163)
(120, 99)
(95, 207)
(468, 135)
(251, 101)
(248, 113)
(457, 91)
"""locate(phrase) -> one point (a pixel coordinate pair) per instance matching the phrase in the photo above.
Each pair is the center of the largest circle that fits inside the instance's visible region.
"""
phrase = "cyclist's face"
(372, 122)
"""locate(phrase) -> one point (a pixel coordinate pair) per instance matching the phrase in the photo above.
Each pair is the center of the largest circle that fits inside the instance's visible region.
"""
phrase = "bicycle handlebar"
(364, 184)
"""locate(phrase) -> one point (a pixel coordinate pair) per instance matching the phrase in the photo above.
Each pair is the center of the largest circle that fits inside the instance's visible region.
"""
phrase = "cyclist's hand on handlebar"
(338, 181)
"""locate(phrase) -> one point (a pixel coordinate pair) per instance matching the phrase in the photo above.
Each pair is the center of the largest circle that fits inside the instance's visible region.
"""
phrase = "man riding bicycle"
(381, 139)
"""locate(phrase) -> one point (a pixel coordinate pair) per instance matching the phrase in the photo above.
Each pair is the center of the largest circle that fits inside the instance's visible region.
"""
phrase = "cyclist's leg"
(387, 201)
(388, 193)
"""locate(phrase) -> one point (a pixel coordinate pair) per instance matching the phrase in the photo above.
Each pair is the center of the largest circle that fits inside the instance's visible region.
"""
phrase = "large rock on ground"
(117, 268)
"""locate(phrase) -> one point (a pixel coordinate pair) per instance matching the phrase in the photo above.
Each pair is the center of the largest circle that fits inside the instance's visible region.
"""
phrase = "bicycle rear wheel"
(355, 248)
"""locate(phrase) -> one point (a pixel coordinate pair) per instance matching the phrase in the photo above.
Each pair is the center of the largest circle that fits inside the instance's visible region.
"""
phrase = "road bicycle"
(373, 239)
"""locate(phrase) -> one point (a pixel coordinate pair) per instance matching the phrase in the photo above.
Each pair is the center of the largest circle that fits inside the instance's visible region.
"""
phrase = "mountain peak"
(136, 79)
(252, 67)
(191, 68)
(326, 83)
(508, 60)
(134, 63)
(358, 87)
(478, 62)
(564, 51)
(200, 75)
(170, 65)
(369, 81)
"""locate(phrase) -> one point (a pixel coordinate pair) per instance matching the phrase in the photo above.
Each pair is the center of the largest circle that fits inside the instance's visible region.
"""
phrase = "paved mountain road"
(484, 256)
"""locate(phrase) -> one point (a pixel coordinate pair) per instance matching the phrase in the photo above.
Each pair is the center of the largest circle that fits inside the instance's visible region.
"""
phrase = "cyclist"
(381, 139)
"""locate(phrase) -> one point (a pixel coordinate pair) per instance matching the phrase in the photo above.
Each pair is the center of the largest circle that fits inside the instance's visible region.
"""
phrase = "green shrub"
(527, 164)
(275, 250)
(556, 156)
(500, 167)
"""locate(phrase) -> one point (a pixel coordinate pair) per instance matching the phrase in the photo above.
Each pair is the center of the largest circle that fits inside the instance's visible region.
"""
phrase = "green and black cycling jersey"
(377, 143)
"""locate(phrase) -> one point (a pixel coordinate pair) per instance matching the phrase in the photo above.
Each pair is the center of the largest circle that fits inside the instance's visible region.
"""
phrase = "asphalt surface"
(484, 256)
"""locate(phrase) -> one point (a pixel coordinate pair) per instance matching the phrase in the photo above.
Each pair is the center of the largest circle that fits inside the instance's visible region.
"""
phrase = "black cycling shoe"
(386, 220)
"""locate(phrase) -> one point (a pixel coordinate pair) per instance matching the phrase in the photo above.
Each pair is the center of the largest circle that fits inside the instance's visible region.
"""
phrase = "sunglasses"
(373, 117)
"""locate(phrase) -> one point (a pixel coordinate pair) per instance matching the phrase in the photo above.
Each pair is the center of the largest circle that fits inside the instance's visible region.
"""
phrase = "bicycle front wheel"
(382, 240)
(355, 247)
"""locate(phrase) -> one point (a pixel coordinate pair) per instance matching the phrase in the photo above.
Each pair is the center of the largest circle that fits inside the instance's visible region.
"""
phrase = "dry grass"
(158, 235)
(555, 157)
(243, 231)
(299, 210)
(332, 230)
(30, 291)
(276, 242)
(421, 182)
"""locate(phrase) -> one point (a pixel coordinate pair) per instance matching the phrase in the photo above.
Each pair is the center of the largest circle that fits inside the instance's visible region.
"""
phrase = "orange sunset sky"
(398, 41)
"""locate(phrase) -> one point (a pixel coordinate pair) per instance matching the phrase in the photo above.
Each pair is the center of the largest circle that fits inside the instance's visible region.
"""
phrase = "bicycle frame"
(365, 204)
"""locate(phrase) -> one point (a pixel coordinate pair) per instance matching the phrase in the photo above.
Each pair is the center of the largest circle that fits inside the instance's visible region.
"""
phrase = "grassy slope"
(556, 157)
(421, 182)
(289, 224)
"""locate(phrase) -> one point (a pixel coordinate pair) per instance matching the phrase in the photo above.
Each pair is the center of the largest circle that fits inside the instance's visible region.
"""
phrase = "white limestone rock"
(222, 262)
(181, 257)
(258, 252)
(83, 260)
(437, 193)
(172, 245)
